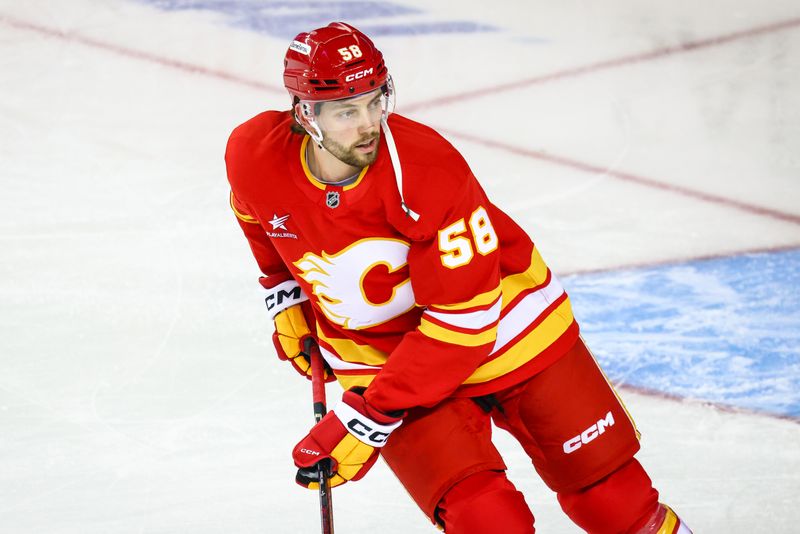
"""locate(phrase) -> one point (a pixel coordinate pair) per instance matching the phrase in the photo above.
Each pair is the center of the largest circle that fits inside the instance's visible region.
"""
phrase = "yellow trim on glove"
(292, 323)
(351, 455)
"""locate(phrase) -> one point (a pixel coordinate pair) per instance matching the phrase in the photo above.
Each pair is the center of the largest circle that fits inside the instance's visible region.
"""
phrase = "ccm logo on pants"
(589, 435)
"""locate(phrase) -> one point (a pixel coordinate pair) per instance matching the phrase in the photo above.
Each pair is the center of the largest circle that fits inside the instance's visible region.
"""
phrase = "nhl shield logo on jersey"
(332, 199)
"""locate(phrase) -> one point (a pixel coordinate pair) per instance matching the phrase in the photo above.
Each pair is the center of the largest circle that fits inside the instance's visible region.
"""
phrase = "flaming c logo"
(338, 282)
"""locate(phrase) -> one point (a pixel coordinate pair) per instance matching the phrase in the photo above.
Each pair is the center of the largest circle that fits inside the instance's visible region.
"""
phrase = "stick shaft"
(320, 409)
(317, 382)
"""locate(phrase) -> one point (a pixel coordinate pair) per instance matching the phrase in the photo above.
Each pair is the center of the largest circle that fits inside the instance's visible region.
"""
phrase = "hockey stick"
(323, 467)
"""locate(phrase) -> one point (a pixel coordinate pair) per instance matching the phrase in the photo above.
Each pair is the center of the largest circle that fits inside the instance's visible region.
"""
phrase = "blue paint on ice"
(723, 330)
(285, 19)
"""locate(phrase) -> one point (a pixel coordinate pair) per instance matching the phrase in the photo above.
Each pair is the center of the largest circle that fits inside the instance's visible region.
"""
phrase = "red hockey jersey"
(458, 302)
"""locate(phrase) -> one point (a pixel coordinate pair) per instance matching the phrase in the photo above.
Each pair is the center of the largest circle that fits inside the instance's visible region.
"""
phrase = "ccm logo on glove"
(282, 296)
(350, 435)
(355, 426)
(278, 298)
(366, 430)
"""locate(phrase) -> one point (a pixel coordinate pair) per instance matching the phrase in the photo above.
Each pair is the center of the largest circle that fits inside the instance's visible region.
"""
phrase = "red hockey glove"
(289, 308)
(349, 436)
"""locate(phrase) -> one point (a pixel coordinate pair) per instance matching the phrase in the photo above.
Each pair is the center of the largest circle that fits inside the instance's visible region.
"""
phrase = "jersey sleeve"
(455, 273)
(239, 165)
(267, 258)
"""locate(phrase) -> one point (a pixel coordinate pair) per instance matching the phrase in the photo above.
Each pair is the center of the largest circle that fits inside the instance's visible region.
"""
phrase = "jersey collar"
(317, 183)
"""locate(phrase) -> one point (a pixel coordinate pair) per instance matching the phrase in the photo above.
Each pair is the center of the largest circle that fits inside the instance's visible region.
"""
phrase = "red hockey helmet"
(337, 61)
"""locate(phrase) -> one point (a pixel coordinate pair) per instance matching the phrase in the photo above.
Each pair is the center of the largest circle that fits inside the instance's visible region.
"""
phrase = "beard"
(349, 155)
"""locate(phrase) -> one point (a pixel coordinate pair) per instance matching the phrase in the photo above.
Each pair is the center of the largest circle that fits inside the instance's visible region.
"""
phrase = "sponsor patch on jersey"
(279, 223)
(289, 235)
(300, 47)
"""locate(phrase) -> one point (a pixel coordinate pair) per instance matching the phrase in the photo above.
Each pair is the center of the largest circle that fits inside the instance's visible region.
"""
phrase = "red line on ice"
(75, 37)
(672, 261)
(628, 177)
(623, 61)
(626, 60)
(567, 73)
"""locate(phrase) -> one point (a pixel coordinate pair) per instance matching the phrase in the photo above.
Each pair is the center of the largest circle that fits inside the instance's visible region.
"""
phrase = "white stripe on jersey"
(526, 311)
(514, 322)
(474, 320)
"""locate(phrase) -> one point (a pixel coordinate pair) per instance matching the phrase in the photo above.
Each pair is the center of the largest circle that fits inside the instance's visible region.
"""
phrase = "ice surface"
(724, 330)
(138, 390)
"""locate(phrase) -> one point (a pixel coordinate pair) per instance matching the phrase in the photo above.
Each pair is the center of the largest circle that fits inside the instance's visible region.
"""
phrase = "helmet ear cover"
(309, 123)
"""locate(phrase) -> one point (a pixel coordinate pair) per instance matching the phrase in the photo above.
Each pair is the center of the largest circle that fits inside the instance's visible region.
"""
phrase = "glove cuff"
(283, 295)
(363, 428)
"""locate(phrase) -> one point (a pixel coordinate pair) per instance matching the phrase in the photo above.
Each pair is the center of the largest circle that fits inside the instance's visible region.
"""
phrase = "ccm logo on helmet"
(358, 75)
(589, 435)
(309, 451)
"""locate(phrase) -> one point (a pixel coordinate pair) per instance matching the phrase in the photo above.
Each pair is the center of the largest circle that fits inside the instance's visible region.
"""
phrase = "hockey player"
(431, 307)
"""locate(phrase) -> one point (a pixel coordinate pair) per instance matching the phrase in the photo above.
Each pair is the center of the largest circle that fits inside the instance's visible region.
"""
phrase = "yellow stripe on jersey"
(441, 333)
(358, 180)
(524, 350)
(350, 351)
(481, 300)
(352, 381)
(474, 320)
(670, 522)
(304, 163)
(533, 276)
(510, 286)
(241, 215)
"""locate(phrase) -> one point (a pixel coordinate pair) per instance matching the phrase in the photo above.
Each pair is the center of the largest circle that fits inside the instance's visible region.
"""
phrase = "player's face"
(351, 128)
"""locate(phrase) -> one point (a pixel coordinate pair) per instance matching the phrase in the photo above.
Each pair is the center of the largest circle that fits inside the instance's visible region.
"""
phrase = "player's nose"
(368, 121)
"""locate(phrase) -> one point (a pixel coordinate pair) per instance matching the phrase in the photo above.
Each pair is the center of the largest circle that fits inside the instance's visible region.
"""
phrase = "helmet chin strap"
(398, 169)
